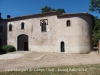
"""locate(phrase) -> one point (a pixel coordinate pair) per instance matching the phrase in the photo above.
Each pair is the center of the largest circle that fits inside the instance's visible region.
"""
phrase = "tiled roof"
(47, 14)
(74, 14)
(34, 16)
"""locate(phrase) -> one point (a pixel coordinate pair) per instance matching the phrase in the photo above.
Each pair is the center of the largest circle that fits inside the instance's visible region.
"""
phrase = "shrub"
(11, 49)
(7, 48)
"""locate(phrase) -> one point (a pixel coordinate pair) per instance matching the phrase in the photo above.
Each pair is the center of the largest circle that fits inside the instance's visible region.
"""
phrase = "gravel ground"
(25, 60)
(13, 55)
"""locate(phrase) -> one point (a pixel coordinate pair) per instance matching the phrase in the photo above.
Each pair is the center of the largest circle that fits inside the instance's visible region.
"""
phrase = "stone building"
(48, 32)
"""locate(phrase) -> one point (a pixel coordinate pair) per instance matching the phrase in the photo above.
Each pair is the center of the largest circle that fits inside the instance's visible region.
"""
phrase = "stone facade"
(60, 35)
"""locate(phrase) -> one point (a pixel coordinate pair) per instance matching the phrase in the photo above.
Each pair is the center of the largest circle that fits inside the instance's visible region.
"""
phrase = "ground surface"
(25, 60)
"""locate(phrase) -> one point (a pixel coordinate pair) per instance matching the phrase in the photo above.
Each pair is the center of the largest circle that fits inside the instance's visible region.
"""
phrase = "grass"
(93, 69)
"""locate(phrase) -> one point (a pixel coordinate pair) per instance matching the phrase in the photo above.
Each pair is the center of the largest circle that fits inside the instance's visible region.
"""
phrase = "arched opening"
(68, 22)
(10, 27)
(62, 45)
(22, 42)
(22, 25)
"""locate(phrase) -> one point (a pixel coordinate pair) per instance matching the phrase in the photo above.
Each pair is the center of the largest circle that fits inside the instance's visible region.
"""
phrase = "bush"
(7, 48)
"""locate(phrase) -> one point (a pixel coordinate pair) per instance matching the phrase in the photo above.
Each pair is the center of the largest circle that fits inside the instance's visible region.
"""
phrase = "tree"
(61, 11)
(53, 10)
(94, 6)
(96, 31)
(46, 9)
(49, 9)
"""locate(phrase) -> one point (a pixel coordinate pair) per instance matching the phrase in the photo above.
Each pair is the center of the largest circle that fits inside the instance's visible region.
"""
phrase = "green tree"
(46, 9)
(94, 6)
(96, 31)
(53, 10)
(61, 11)
(49, 9)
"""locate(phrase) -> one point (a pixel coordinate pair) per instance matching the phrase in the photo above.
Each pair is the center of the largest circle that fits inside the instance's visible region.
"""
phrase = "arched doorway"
(22, 42)
(62, 45)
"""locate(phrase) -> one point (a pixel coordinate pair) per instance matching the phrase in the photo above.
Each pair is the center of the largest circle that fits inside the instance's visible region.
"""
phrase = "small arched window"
(68, 23)
(62, 46)
(10, 27)
(22, 25)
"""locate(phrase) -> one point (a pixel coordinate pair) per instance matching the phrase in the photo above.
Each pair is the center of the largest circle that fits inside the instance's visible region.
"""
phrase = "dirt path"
(36, 60)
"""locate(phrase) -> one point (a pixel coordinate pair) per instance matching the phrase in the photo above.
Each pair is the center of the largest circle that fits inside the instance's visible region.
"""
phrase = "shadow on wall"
(3, 31)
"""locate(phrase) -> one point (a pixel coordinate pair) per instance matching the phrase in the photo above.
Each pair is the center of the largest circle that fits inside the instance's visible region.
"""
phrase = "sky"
(17, 8)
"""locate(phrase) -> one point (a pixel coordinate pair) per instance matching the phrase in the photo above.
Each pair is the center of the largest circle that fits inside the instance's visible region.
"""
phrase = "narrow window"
(43, 23)
(1, 28)
(22, 25)
(62, 46)
(68, 23)
(0, 41)
(10, 27)
(43, 27)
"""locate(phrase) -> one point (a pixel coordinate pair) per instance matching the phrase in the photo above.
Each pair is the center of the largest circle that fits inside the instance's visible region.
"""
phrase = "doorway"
(22, 42)
(25, 46)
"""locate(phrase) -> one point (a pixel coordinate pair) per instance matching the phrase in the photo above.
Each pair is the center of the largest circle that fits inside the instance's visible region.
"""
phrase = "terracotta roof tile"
(47, 14)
